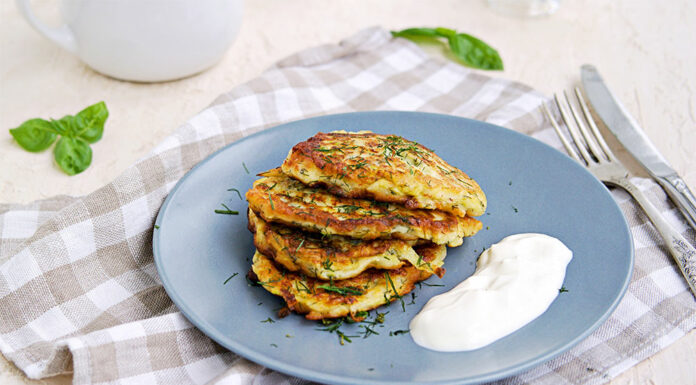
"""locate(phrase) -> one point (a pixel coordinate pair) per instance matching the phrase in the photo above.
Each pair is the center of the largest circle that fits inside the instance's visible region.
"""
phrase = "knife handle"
(682, 197)
(682, 251)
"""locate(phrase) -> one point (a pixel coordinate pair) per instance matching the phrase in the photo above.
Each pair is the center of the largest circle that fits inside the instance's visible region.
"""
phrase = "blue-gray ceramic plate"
(530, 188)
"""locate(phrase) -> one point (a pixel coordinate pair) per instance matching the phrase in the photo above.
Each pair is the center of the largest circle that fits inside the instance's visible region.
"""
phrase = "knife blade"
(633, 138)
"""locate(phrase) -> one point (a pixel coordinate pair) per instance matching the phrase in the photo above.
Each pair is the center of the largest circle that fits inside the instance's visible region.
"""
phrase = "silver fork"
(600, 161)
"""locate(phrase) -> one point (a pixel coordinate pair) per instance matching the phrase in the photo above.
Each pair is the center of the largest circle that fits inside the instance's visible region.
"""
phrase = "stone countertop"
(644, 50)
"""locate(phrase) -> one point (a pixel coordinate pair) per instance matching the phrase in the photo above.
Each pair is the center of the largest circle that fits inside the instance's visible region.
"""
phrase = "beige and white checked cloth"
(78, 286)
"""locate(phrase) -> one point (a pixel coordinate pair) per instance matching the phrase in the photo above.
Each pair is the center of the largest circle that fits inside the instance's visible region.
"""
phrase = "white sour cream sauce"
(515, 282)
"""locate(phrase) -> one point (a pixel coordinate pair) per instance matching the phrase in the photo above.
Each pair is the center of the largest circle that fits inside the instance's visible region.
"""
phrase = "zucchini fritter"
(336, 257)
(332, 299)
(386, 168)
(279, 198)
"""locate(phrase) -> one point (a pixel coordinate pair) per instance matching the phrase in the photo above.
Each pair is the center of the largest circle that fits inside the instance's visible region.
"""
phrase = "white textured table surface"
(644, 49)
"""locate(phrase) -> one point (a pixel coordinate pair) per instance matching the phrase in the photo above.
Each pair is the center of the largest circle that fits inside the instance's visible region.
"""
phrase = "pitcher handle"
(62, 35)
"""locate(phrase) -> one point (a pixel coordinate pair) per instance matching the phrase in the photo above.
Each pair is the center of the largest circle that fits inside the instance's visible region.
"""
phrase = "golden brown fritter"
(281, 199)
(386, 168)
(336, 257)
(332, 299)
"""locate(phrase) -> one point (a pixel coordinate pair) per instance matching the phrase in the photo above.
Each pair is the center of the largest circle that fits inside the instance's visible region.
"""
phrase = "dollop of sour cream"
(515, 282)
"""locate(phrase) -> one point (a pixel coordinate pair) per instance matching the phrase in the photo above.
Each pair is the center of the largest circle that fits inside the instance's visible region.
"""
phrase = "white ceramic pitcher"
(144, 40)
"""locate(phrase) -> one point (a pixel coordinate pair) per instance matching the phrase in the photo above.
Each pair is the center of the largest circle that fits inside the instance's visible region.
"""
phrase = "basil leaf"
(445, 32)
(73, 155)
(466, 48)
(474, 52)
(34, 135)
(413, 32)
(65, 126)
(90, 122)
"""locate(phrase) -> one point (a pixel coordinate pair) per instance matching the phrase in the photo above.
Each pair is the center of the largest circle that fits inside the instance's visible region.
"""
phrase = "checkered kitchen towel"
(79, 290)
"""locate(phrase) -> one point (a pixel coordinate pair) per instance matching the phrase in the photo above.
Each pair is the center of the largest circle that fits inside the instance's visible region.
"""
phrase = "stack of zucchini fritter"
(352, 221)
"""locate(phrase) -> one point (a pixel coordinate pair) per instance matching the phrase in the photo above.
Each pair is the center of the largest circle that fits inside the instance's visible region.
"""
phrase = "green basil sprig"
(72, 152)
(468, 49)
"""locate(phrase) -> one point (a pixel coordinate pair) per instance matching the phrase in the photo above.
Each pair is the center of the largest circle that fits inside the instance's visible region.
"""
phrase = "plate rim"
(258, 357)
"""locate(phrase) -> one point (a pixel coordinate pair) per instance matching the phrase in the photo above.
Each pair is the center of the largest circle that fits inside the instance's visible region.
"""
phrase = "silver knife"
(632, 137)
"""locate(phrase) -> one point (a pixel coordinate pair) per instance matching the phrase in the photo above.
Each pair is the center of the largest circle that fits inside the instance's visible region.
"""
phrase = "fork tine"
(572, 130)
(569, 147)
(600, 139)
(582, 127)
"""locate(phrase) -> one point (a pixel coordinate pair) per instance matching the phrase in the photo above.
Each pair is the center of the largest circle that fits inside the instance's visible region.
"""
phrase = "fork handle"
(682, 251)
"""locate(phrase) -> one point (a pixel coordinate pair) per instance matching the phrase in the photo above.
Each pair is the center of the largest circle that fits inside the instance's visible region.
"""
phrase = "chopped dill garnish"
(444, 171)
(402, 218)
(358, 165)
(368, 326)
(157, 227)
(245, 168)
(342, 337)
(362, 314)
(398, 332)
(347, 209)
(288, 336)
(226, 211)
(237, 191)
(230, 277)
(341, 290)
(396, 293)
(562, 290)
(274, 345)
(327, 264)
(271, 200)
(333, 326)
(514, 208)
(304, 287)
(431, 284)
(510, 183)
(268, 282)
(368, 331)
(298, 247)
(268, 320)
(396, 146)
